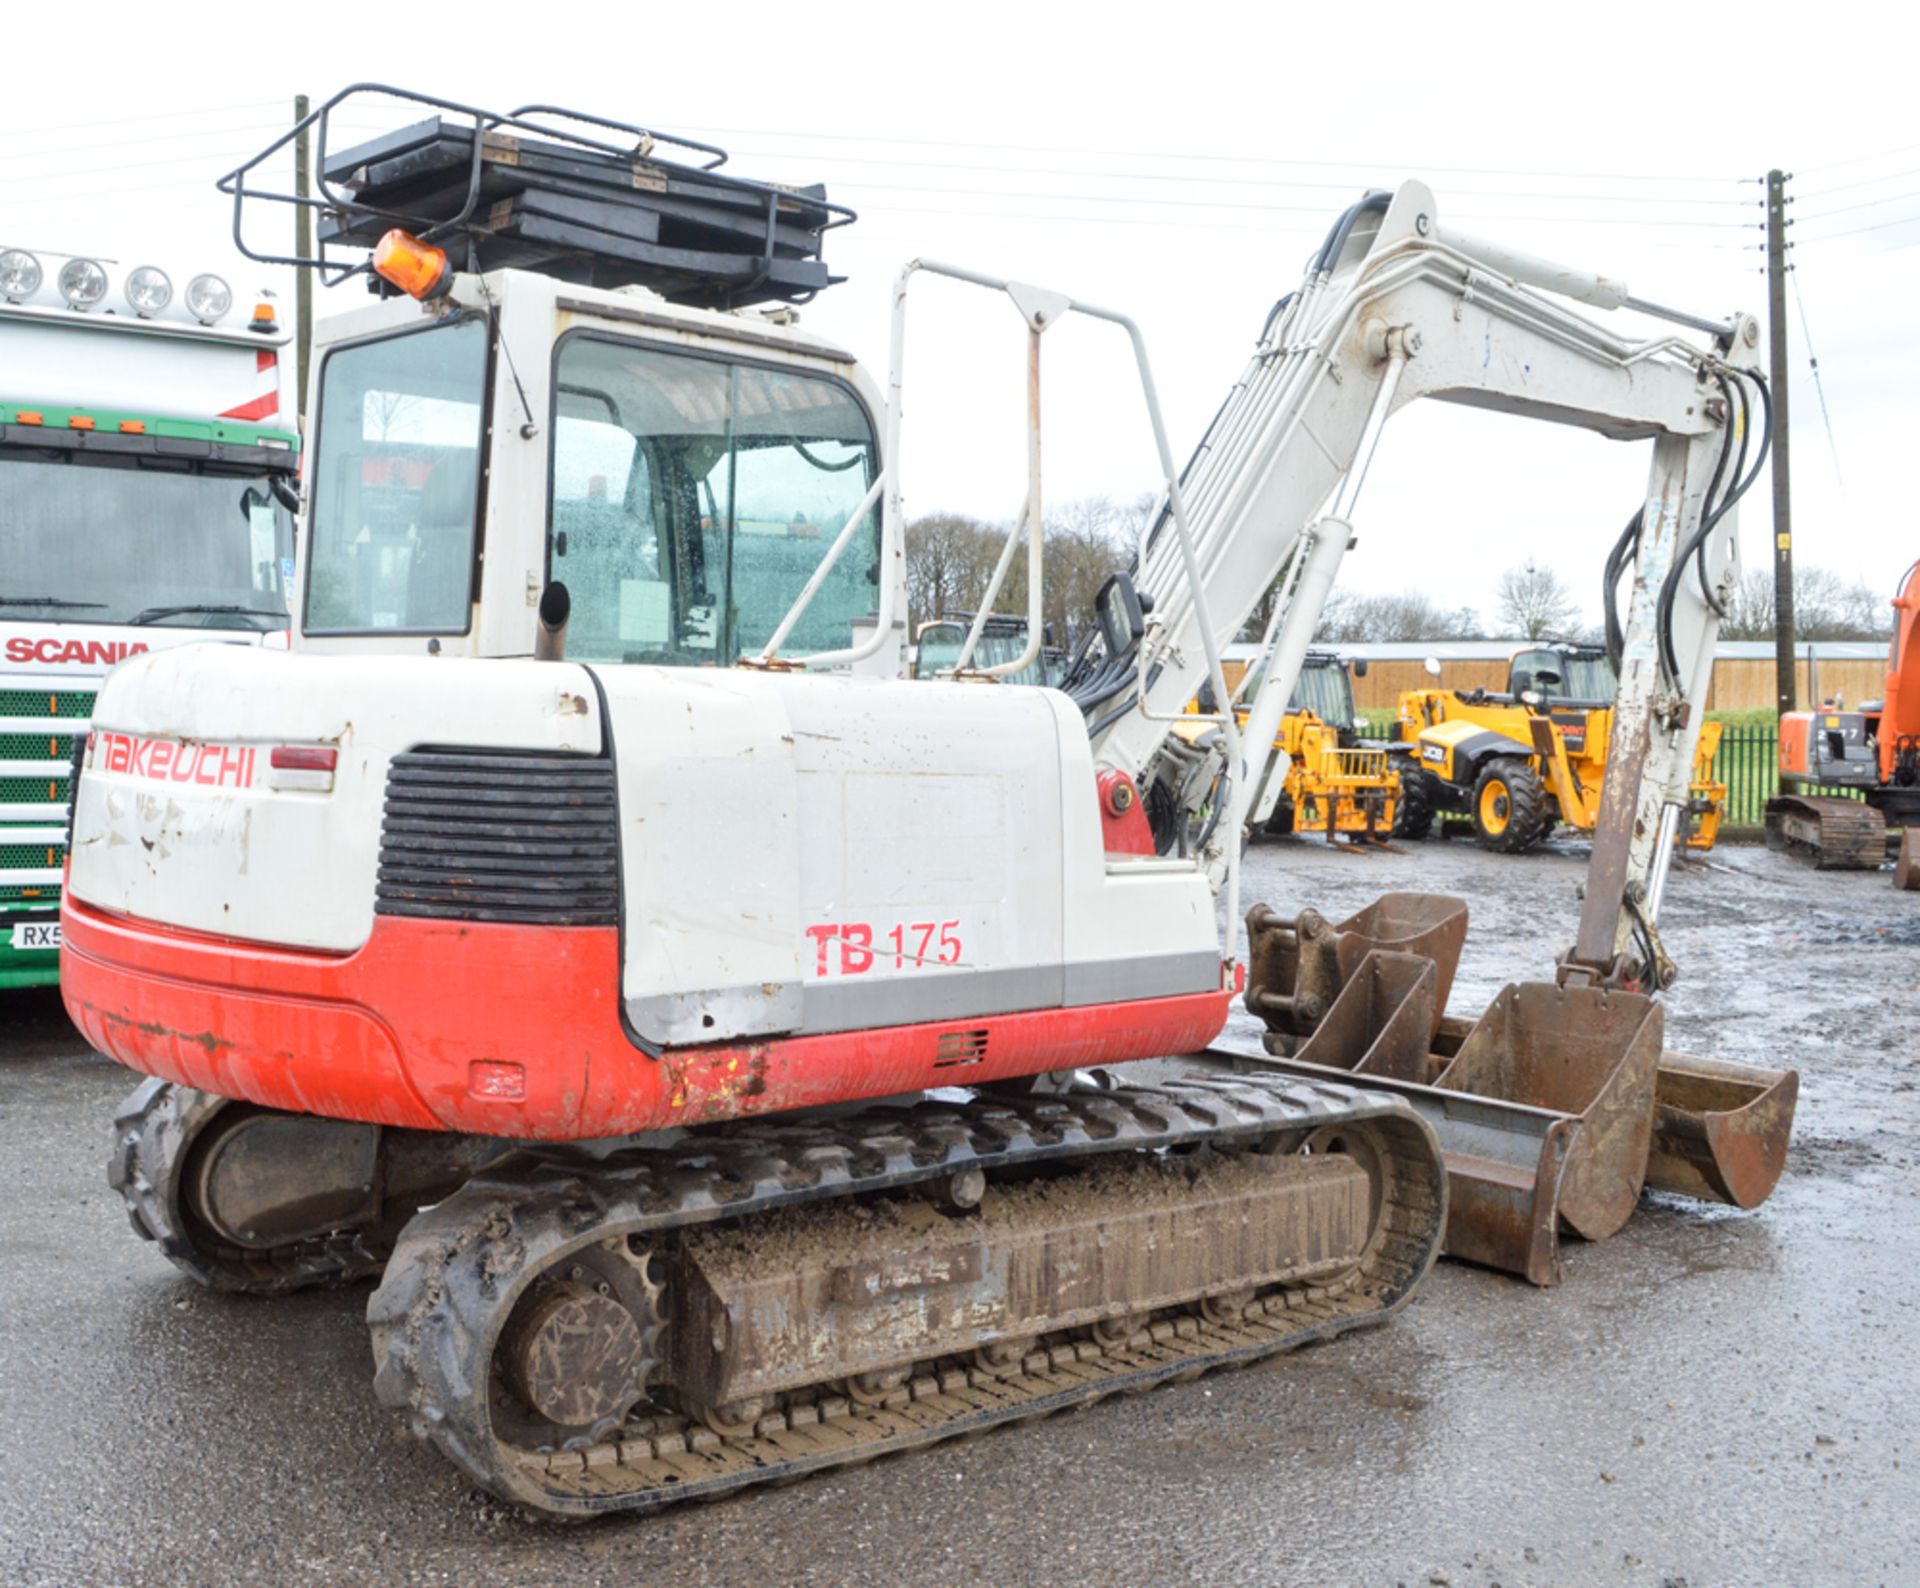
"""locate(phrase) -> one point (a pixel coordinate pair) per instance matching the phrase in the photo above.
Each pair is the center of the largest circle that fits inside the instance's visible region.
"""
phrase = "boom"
(1394, 309)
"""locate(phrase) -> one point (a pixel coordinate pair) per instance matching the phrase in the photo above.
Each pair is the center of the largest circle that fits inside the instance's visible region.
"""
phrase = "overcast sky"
(1177, 163)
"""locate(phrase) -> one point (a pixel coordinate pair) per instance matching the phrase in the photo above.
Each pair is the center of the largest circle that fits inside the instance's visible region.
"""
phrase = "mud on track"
(1712, 1397)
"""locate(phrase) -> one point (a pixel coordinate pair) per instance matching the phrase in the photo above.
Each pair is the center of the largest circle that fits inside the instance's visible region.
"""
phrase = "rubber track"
(459, 1268)
(153, 1131)
(1853, 835)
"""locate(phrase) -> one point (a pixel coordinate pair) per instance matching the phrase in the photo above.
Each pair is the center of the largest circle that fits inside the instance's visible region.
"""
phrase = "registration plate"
(37, 934)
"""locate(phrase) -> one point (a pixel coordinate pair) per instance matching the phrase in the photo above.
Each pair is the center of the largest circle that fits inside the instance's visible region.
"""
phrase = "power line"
(1226, 159)
(1813, 363)
(1307, 232)
(165, 137)
(1864, 204)
(1862, 159)
(1341, 186)
(1879, 226)
(156, 115)
(1865, 181)
(69, 196)
(1231, 204)
(206, 159)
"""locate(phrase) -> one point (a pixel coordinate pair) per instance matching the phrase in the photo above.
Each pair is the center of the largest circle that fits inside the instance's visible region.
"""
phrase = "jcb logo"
(1433, 752)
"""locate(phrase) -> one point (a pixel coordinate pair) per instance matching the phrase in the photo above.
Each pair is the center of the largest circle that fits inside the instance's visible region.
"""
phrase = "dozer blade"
(1720, 1130)
(1836, 834)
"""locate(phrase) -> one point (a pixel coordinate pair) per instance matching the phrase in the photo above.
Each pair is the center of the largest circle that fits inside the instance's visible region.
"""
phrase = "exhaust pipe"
(550, 637)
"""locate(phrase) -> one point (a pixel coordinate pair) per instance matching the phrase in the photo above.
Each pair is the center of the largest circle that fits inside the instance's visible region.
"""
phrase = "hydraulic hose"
(1623, 548)
(1670, 587)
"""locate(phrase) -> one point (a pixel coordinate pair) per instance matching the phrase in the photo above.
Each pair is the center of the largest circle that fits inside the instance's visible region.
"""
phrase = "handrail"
(1042, 309)
(825, 567)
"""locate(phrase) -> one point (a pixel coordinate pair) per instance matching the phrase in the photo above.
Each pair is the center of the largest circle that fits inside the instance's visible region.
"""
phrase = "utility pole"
(1777, 268)
(303, 248)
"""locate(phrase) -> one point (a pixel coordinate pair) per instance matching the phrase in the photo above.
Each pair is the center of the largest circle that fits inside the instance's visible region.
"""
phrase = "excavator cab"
(683, 484)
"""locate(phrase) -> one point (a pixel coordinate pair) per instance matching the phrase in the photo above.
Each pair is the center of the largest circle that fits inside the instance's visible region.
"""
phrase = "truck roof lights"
(19, 275)
(148, 291)
(208, 297)
(82, 283)
(418, 269)
(264, 320)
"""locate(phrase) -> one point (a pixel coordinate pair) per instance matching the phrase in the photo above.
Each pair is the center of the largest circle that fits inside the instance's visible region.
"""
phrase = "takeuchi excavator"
(734, 1059)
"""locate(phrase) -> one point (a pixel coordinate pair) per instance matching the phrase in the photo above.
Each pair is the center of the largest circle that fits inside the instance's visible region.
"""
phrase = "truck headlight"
(82, 283)
(208, 297)
(148, 291)
(19, 275)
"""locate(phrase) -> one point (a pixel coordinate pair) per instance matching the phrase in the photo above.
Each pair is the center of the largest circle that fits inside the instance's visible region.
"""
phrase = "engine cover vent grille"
(955, 1048)
(513, 836)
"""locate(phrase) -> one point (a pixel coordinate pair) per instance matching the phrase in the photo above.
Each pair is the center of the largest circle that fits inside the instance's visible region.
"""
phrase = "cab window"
(1563, 675)
(396, 482)
(693, 498)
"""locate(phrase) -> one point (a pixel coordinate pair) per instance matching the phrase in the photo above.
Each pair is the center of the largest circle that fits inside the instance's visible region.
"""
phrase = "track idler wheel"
(182, 1162)
(578, 1350)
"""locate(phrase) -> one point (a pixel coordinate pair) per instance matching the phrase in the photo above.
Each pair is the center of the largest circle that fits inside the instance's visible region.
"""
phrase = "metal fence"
(1748, 762)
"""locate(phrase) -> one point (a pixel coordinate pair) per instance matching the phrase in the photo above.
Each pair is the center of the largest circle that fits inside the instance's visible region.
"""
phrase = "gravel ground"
(1712, 1397)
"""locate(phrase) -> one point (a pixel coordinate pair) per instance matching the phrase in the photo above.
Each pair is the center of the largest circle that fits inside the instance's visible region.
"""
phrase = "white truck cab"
(146, 500)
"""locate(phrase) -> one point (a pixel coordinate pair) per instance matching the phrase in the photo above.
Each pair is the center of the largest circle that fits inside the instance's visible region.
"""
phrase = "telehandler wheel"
(1413, 812)
(1509, 806)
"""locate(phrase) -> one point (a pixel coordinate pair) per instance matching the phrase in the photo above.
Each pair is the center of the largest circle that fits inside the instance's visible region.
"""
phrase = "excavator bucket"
(1553, 1109)
(1720, 1130)
(1296, 968)
(1585, 1054)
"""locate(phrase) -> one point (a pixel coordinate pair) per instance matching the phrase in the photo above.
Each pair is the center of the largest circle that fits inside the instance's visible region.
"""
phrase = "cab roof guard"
(590, 201)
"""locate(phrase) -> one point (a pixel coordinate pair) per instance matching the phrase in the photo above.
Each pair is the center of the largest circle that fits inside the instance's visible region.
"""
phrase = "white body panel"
(61, 359)
(289, 867)
(801, 853)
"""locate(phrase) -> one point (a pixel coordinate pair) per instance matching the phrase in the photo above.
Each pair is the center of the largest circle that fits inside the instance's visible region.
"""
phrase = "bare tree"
(1534, 604)
(1825, 607)
(1409, 615)
(950, 558)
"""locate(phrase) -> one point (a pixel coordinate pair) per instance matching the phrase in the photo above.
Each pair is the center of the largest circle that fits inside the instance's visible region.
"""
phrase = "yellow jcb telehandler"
(1521, 763)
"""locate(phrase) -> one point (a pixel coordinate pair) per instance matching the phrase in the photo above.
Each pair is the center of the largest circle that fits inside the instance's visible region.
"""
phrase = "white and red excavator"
(735, 1059)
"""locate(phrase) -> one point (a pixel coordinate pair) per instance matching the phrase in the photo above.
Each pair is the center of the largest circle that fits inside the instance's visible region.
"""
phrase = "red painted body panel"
(1123, 816)
(515, 1031)
(1796, 730)
(1900, 712)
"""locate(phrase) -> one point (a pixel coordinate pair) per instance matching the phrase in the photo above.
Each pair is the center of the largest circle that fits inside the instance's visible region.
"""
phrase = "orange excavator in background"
(1875, 750)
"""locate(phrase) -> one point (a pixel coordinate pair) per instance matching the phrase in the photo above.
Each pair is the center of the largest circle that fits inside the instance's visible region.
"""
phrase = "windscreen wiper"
(45, 601)
(154, 614)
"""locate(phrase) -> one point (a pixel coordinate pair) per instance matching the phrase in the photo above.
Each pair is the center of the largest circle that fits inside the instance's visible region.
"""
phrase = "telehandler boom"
(486, 862)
